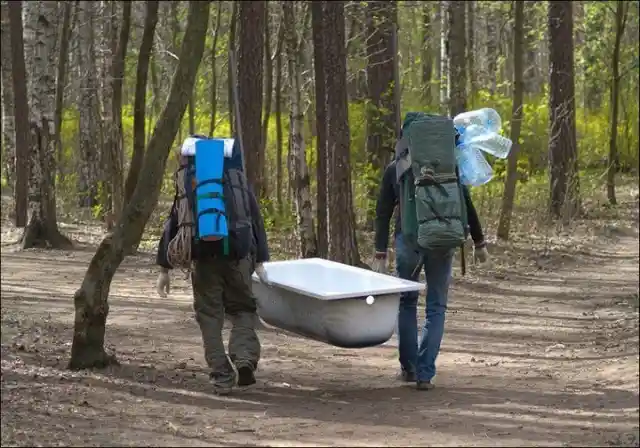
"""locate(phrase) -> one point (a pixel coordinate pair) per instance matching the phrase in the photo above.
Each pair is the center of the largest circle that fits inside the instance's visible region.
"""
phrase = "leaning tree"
(91, 300)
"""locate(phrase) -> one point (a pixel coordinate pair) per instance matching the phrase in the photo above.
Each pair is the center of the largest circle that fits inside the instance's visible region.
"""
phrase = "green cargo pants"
(224, 287)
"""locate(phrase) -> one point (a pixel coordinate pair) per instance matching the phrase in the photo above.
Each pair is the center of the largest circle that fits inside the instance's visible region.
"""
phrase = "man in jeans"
(418, 363)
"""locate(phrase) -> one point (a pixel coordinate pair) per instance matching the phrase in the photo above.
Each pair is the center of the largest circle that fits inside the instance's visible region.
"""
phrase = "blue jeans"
(421, 359)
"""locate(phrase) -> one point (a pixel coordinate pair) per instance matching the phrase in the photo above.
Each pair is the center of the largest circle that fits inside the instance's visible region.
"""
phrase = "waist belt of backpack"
(219, 213)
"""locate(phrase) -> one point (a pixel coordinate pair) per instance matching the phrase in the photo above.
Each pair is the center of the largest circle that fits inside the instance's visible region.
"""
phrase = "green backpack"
(433, 212)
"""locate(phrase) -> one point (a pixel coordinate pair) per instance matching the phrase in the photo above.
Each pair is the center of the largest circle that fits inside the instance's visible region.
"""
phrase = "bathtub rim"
(401, 286)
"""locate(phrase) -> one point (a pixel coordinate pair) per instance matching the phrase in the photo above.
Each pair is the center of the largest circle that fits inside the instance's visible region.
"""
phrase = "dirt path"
(540, 358)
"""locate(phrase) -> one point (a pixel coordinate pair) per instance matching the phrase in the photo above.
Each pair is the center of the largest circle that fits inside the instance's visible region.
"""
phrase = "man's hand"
(163, 283)
(380, 262)
(262, 274)
(480, 254)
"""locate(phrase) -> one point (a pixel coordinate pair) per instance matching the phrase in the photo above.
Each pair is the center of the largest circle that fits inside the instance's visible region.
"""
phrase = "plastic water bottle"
(489, 142)
(486, 118)
(474, 168)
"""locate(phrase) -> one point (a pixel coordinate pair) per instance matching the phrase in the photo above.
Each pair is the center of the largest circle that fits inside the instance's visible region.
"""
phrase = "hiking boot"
(424, 385)
(246, 375)
(407, 377)
(223, 383)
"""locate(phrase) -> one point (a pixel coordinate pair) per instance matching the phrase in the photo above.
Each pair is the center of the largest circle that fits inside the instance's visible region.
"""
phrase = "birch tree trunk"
(89, 122)
(299, 174)
(40, 58)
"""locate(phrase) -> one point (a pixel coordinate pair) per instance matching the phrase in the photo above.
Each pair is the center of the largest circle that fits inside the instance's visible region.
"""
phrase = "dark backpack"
(433, 211)
(213, 204)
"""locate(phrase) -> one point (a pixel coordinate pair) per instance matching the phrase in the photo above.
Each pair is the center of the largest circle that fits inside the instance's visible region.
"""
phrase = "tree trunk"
(214, 73)
(444, 58)
(278, 113)
(140, 98)
(20, 113)
(321, 128)
(268, 95)
(508, 196)
(471, 54)
(250, 58)
(61, 77)
(380, 112)
(230, 67)
(117, 137)
(613, 165)
(437, 43)
(91, 304)
(108, 38)
(427, 52)
(89, 123)
(492, 50)
(563, 153)
(40, 57)
(456, 55)
(299, 174)
(8, 122)
(343, 246)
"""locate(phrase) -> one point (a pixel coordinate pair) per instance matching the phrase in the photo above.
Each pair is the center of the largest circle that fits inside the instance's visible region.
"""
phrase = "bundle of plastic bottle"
(478, 131)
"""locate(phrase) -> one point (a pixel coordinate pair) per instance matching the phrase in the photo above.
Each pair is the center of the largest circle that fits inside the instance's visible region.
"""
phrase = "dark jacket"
(388, 199)
(205, 249)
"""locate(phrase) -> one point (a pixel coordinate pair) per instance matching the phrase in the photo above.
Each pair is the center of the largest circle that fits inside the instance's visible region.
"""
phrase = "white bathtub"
(326, 301)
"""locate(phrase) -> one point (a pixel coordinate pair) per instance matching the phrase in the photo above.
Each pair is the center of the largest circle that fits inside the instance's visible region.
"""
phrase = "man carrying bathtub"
(418, 363)
(222, 286)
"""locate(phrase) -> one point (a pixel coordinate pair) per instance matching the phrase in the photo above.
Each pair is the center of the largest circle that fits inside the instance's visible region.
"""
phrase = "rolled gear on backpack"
(212, 196)
(432, 208)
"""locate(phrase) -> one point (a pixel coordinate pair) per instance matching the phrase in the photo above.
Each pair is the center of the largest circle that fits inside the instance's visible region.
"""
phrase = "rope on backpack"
(179, 248)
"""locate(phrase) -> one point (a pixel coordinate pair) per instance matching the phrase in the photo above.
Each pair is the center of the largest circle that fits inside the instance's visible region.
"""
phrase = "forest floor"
(540, 349)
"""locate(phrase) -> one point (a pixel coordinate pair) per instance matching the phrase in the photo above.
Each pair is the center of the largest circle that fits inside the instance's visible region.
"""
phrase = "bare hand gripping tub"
(331, 302)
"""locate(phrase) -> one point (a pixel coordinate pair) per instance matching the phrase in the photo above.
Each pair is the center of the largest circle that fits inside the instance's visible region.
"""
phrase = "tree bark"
(563, 152)
(230, 67)
(91, 304)
(268, 95)
(117, 138)
(299, 173)
(278, 116)
(140, 98)
(214, 73)
(250, 58)
(613, 165)
(444, 58)
(89, 123)
(40, 57)
(456, 55)
(380, 111)
(471, 51)
(321, 128)
(508, 196)
(61, 77)
(8, 122)
(343, 246)
(20, 114)
(427, 52)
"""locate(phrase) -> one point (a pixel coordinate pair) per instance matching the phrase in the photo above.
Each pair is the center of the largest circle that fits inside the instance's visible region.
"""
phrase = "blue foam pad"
(209, 166)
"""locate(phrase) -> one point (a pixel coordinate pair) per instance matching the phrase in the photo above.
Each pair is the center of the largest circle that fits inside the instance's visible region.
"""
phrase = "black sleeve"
(472, 216)
(385, 205)
(169, 232)
(259, 232)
